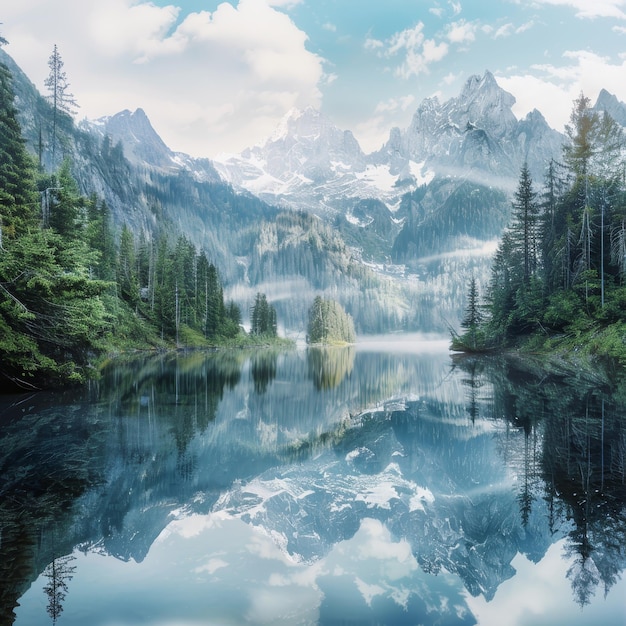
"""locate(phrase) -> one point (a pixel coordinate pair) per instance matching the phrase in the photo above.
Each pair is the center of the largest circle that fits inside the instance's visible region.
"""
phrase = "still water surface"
(384, 484)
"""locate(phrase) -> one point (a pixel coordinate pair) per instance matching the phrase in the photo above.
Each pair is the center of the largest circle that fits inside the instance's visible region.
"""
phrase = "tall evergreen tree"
(473, 339)
(329, 323)
(164, 309)
(62, 101)
(581, 132)
(525, 223)
(473, 316)
(66, 206)
(555, 187)
(127, 268)
(19, 204)
(100, 238)
(263, 317)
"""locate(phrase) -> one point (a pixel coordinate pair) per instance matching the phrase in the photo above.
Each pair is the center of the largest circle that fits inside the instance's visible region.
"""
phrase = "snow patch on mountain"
(378, 177)
(421, 173)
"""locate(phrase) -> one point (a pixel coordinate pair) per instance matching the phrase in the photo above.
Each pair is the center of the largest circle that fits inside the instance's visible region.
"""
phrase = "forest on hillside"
(73, 288)
(559, 273)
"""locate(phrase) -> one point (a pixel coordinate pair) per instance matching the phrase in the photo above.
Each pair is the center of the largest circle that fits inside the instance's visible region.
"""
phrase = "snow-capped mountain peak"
(310, 163)
(307, 151)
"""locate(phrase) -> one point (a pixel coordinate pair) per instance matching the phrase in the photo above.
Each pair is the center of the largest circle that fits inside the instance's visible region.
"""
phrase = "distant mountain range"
(310, 163)
(466, 151)
(438, 185)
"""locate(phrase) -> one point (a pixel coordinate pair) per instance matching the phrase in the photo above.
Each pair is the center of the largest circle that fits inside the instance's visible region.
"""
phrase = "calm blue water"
(384, 484)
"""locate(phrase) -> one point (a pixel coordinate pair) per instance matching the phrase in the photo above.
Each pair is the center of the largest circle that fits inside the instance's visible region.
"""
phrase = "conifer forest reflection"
(370, 485)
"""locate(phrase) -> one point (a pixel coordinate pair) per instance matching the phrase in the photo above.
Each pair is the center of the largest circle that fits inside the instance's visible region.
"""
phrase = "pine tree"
(100, 238)
(581, 132)
(555, 187)
(62, 101)
(263, 317)
(65, 205)
(127, 268)
(329, 323)
(19, 204)
(595, 156)
(215, 313)
(164, 309)
(473, 339)
(473, 316)
(525, 223)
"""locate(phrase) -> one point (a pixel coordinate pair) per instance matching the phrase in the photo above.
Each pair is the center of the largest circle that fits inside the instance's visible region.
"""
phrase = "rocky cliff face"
(310, 163)
(142, 146)
(475, 135)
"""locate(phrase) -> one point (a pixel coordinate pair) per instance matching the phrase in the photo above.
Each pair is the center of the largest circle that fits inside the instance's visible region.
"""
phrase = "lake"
(385, 483)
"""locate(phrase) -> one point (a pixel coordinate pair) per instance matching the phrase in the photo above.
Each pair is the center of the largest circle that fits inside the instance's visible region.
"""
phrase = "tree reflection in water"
(328, 366)
(58, 573)
(574, 458)
(107, 466)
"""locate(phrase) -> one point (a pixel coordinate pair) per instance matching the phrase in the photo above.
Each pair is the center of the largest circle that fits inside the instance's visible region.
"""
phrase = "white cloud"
(408, 39)
(288, 4)
(552, 89)
(505, 30)
(136, 32)
(449, 78)
(418, 52)
(462, 32)
(548, 599)
(373, 44)
(373, 133)
(508, 29)
(524, 27)
(434, 52)
(210, 82)
(456, 7)
(592, 8)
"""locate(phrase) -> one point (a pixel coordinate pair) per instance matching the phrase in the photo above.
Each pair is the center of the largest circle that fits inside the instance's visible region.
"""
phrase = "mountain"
(610, 104)
(255, 246)
(469, 149)
(308, 163)
(144, 147)
(474, 136)
(123, 161)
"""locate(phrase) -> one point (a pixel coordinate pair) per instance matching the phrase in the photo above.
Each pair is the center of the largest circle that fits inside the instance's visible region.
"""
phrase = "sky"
(216, 77)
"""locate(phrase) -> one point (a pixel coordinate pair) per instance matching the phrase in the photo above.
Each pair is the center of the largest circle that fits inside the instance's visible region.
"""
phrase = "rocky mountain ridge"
(311, 163)
(144, 147)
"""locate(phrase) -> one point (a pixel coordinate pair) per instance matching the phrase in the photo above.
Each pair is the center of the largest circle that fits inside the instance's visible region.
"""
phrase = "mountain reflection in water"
(370, 485)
